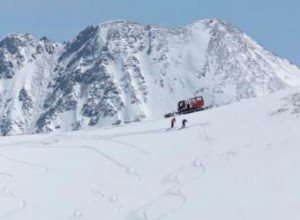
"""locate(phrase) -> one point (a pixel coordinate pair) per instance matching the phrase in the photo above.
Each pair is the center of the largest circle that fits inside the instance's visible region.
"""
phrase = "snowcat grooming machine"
(188, 106)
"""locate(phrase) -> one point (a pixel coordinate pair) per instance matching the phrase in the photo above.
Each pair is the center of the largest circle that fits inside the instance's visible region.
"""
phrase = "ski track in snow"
(126, 169)
(24, 163)
(5, 191)
(112, 138)
(175, 177)
(179, 182)
(8, 192)
(142, 151)
(173, 191)
(128, 134)
(112, 197)
(101, 197)
(142, 213)
(7, 186)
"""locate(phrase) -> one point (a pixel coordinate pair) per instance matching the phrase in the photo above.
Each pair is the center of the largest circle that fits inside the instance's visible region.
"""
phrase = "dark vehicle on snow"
(188, 106)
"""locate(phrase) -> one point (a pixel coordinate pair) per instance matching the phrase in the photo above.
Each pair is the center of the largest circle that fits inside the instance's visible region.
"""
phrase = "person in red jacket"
(173, 121)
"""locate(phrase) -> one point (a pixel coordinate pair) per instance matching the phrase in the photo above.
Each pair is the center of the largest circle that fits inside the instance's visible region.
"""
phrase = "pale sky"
(272, 23)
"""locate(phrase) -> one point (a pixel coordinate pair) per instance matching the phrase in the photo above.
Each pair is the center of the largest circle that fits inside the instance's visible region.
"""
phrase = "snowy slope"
(233, 162)
(120, 72)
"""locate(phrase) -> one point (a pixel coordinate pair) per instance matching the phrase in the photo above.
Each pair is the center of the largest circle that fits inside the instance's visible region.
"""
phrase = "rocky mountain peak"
(120, 72)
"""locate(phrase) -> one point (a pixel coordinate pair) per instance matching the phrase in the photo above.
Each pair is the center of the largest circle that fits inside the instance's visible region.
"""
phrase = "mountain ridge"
(119, 72)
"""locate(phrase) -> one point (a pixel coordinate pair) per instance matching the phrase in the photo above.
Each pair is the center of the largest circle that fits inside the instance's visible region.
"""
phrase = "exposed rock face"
(26, 68)
(120, 72)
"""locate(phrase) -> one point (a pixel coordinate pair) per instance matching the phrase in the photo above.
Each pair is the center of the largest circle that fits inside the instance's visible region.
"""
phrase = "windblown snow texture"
(121, 72)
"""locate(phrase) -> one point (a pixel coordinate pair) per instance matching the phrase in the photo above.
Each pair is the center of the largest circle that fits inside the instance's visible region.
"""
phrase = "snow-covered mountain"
(239, 161)
(26, 69)
(120, 72)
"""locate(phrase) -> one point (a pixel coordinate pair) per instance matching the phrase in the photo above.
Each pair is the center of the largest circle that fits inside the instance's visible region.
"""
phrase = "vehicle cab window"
(181, 104)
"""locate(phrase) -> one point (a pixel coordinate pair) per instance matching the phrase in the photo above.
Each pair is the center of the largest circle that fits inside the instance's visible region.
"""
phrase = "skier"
(173, 121)
(184, 121)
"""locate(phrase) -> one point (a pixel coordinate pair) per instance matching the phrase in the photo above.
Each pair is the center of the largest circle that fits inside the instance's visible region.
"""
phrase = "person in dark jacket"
(184, 121)
(173, 121)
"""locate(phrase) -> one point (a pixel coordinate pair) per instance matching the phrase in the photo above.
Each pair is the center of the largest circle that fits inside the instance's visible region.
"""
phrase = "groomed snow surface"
(238, 162)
